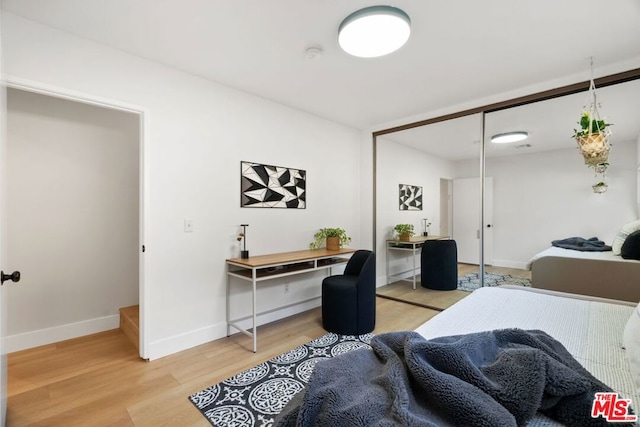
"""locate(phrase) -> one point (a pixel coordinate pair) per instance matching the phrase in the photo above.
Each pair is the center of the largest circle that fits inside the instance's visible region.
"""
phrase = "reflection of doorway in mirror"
(446, 210)
(466, 220)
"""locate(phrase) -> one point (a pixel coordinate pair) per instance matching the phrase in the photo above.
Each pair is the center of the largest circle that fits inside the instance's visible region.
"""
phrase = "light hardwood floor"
(439, 300)
(100, 381)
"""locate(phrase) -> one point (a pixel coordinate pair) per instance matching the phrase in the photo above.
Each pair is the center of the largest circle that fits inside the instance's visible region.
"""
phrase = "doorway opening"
(74, 198)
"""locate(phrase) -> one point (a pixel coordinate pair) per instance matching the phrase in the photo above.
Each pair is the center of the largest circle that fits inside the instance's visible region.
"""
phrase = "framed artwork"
(410, 197)
(267, 186)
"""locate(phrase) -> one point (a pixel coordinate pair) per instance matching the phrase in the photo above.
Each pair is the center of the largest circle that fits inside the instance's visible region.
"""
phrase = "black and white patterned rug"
(470, 282)
(254, 397)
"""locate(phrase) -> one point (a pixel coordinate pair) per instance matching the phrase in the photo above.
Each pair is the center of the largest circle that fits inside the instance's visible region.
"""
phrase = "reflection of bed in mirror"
(600, 274)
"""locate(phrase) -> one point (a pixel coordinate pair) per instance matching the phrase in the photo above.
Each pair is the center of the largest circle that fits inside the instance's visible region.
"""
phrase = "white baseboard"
(382, 280)
(158, 348)
(505, 263)
(176, 343)
(46, 336)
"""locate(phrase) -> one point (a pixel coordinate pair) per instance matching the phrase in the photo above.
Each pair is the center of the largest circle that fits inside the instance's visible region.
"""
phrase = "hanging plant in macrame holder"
(594, 148)
(594, 141)
(593, 135)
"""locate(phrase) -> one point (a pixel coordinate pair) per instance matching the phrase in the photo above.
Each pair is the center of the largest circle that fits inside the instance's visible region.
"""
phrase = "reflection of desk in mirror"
(265, 267)
(410, 248)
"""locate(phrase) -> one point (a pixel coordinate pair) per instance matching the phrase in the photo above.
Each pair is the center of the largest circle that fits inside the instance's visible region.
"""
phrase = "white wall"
(541, 197)
(196, 134)
(72, 213)
(399, 164)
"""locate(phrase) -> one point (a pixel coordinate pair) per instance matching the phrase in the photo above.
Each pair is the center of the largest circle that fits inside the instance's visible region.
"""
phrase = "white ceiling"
(459, 51)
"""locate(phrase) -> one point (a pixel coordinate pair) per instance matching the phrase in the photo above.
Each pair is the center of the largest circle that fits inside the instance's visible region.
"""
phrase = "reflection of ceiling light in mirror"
(374, 31)
(504, 138)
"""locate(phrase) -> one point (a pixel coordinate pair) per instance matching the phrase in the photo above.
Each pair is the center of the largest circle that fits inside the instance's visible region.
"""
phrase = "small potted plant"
(600, 187)
(404, 232)
(589, 125)
(332, 238)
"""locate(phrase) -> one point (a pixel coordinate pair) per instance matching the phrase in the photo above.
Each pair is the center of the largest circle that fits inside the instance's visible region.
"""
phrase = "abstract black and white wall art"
(266, 186)
(410, 197)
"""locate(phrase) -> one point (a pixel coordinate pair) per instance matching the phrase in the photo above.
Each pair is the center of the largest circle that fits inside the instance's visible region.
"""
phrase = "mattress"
(599, 274)
(590, 329)
(569, 253)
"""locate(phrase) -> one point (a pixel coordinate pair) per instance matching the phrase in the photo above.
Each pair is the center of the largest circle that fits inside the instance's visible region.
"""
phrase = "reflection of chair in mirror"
(439, 265)
(349, 299)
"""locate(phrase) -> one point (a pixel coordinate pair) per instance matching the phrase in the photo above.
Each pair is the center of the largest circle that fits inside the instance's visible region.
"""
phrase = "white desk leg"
(414, 265)
(228, 303)
(387, 260)
(255, 329)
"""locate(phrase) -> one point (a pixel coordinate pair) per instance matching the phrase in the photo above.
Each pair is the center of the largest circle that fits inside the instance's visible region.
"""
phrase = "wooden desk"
(265, 267)
(411, 247)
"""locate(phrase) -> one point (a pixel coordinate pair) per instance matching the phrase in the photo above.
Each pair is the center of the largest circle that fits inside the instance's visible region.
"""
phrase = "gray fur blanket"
(581, 244)
(496, 378)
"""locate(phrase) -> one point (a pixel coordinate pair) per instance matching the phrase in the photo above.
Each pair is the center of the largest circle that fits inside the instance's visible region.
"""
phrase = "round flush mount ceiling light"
(504, 138)
(374, 31)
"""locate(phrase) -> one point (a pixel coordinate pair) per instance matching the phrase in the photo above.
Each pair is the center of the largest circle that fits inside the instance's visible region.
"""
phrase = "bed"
(599, 274)
(591, 329)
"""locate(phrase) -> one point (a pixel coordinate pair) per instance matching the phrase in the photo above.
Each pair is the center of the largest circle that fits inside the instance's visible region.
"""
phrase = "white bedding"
(570, 253)
(590, 330)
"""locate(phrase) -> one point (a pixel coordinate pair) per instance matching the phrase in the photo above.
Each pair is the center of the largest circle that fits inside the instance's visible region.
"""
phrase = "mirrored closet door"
(543, 189)
(428, 178)
(501, 203)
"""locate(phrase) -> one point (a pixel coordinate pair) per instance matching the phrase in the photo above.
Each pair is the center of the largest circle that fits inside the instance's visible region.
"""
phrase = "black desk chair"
(439, 265)
(349, 299)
